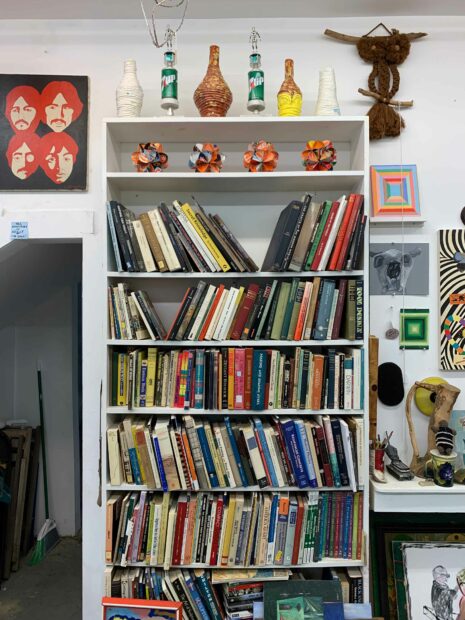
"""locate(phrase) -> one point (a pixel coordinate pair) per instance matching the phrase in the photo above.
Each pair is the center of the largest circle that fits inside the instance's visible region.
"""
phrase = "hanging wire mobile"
(154, 15)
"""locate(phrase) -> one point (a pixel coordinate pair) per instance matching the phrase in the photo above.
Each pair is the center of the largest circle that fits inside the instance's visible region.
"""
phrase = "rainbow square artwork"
(394, 190)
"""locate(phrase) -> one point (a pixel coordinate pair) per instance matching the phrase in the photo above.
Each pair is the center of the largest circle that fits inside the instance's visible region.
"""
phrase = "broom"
(47, 537)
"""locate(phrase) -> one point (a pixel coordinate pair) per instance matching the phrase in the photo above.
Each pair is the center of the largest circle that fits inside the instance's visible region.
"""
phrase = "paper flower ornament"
(261, 157)
(206, 158)
(150, 157)
(319, 155)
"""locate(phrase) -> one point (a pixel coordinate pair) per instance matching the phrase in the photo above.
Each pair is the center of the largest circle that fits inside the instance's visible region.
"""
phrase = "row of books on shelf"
(235, 378)
(192, 454)
(309, 236)
(205, 597)
(318, 309)
(233, 529)
(181, 237)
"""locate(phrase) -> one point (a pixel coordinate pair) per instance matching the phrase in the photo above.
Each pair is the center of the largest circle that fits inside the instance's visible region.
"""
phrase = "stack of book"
(312, 236)
(132, 315)
(195, 454)
(238, 378)
(233, 529)
(181, 237)
(239, 599)
(318, 309)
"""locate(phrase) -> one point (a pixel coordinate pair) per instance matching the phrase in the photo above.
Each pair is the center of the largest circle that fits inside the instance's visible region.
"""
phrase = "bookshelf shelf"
(251, 204)
(237, 343)
(252, 275)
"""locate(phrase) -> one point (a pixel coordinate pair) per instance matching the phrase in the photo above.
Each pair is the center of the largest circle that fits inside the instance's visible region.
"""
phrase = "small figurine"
(396, 467)
(444, 437)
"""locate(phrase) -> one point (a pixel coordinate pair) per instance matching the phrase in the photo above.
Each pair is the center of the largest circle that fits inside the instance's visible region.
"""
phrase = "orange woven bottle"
(213, 96)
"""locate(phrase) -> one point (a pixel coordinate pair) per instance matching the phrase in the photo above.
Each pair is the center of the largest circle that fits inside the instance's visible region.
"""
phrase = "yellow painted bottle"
(289, 95)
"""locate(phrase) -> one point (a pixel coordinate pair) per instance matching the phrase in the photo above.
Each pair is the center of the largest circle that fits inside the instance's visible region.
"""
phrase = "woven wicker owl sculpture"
(386, 53)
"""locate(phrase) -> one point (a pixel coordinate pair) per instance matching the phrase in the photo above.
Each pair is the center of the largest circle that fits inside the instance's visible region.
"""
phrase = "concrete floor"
(52, 590)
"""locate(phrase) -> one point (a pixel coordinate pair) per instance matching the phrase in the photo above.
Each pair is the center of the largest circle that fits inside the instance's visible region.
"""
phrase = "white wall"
(433, 138)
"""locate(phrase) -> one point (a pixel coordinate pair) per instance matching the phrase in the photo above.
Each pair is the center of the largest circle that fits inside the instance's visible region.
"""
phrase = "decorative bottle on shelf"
(169, 83)
(129, 94)
(213, 96)
(327, 104)
(289, 95)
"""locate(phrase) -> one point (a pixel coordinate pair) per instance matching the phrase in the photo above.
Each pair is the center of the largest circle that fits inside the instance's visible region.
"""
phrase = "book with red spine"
(181, 512)
(358, 205)
(298, 530)
(178, 398)
(341, 233)
(317, 383)
(217, 530)
(248, 302)
(299, 328)
(248, 371)
(283, 451)
(231, 378)
(339, 309)
(239, 383)
(338, 525)
(324, 237)
(211, 312)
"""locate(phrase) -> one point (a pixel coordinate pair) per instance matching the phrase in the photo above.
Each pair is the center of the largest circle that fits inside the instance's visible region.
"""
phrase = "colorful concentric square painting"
(394, 190)
(414, 327)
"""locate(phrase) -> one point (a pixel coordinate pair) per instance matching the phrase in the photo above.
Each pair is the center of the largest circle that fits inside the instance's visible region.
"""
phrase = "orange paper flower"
(261, 157)
(319, 155)
(206, 158)
(150, 157)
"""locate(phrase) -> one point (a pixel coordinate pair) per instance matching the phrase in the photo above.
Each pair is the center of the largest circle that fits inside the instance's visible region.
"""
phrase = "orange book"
(299, 328)
(341, 233)
(211, 312)
(230, 378)
(248, 371)
(187, 556)
(317, 385)
(109, 534)
(311, 308)
(190, 461)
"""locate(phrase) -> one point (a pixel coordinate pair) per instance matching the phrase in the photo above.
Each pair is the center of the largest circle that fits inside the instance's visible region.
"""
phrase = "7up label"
(169, 84)
(256, 85)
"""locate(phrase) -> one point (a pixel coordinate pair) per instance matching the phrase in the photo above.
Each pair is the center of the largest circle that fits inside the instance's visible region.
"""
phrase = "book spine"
(324, 236)
(290, 436)
(208, 459)
(258, 379)
(359, 309)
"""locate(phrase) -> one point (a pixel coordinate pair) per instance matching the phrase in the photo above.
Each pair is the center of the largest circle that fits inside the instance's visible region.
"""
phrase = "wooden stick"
(347, 38)
(373, 346)
(393, 102)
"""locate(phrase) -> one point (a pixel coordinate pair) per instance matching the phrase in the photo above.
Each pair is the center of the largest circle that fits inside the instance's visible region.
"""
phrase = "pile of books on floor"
(238, 378)
(181, 237)
(198, 454)
(233, 529)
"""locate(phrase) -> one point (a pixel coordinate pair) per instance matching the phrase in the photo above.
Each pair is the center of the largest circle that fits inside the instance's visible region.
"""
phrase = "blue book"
(135, 465)
(340, 454)
(114, 239)
(333, 610)
(235, 449)
(362, 379)
(305, 453)
(206, 593)
(258, 379)
(161, 469)
(290, 437)
(266, 451)
(115, 317)
(196, 596)
(199, 378)
(323, 527)
(331, 378)
(207, 457)
(143, 383)
(240, 539)
(272, 527)
(324, 310)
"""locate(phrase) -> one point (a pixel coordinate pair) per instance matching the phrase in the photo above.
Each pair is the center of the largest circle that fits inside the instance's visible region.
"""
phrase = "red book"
(262, 455)
(351, 526)
(317, 383)
(211, 312)
(298, 530)
(217, 531)
(283, 451)
(178, 398)
(324, 237)
(324, 456)
(358, 204)
(341, 233)
(299, 329)
(239, 375)
(248, 370)
(338, 526)
(181, 512)
(339, 308)
(244, 311)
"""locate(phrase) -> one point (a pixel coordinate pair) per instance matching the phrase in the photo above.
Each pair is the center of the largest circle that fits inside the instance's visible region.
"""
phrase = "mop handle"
(42, 440)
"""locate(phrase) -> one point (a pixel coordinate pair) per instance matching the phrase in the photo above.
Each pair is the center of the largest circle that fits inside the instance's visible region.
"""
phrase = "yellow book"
(163, 527)
(228, 530)
(122, 379)
(220, 259)
(151, 374)
(215, 456)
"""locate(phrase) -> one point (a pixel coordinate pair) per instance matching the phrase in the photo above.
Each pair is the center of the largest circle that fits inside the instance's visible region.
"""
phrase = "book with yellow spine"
(151, 374)
(222, 262)
(228, 530)
(122, 379)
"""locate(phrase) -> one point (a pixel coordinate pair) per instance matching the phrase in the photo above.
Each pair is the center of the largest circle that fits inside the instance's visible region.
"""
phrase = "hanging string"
(401, 154)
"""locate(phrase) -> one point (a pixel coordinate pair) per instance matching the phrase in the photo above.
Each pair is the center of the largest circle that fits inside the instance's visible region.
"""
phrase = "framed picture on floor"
(43, 132)
(140, 609)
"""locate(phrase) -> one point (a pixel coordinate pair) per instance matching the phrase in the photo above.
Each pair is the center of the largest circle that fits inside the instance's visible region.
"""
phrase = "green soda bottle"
(256, 100)
(169, 83)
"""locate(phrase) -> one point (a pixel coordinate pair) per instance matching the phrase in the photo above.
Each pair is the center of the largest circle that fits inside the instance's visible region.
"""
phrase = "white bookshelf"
(250, 204)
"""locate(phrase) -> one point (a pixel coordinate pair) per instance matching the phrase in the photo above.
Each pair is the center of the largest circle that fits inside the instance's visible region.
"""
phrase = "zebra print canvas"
(452, 298)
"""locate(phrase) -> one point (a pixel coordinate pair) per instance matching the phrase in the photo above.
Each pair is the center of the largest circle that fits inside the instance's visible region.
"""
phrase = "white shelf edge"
(326, 562)
(251, 489)
(253, 118)
(169, 411)
(237, 343)
(198, 275)
(388, 221)
(285, 174)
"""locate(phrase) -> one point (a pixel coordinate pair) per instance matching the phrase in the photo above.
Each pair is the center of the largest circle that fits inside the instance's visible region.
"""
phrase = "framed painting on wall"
(140, 609)
(394, 190)
(43, 132)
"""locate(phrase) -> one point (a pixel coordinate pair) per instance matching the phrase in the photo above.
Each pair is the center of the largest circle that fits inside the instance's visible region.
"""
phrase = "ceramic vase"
(213, 96)
(327, 103)
(129, 94)
(289, 95)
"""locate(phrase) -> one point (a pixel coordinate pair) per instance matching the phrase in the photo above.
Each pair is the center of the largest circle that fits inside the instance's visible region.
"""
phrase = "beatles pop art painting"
(43, 132)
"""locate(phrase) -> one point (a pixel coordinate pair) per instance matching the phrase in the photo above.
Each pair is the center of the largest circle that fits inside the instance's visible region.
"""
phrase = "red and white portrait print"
(23, 154)
(60, 105)
(58, 155)
(23, 108)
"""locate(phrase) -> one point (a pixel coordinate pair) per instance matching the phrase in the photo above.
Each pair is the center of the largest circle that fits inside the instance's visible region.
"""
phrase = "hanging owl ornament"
(385, 53)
